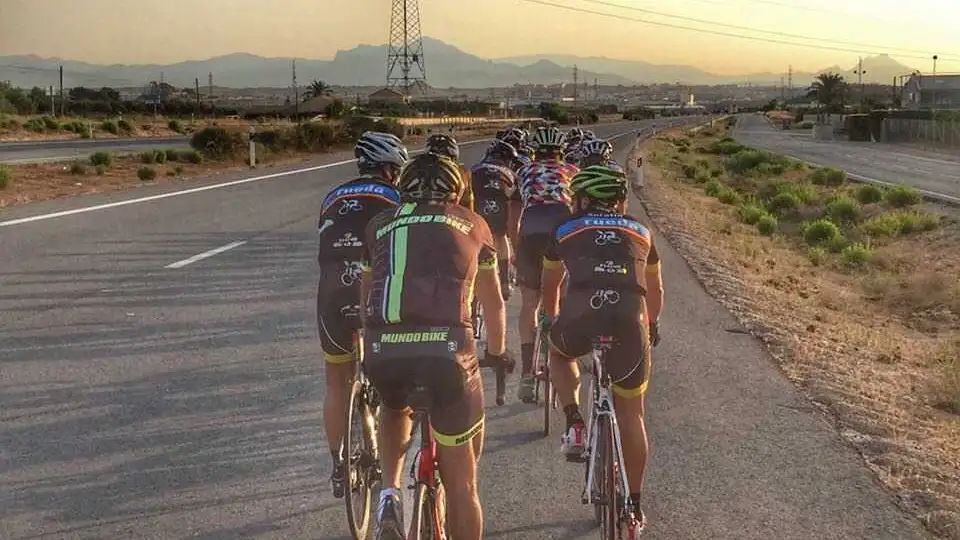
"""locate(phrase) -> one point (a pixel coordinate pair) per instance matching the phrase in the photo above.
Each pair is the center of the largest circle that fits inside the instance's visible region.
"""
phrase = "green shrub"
(713, 188)
(101, 158)
(191, 156)
(124, 125)
(110, 126)
(702, 176)
(689, 171)
(317, 137)
(902, 197)
(893, 224)
(50, 123)
(217, 143)
(729, 196)
(171, 173)
(767, 225)
(149, 157)
(36, 125)
(175, 126)
(683, 149)
(77, 168)
(869, 194)
(828, 177)
(146, 173)
(817, 256)
(857, 254)
(178, 170)
(172, 155)
(783, 203)
(100, 170)
(76, 126)
(5, 177)
(160, 156)
(820, 232)
(843, 209)
(725, 147)
(715, 172)
(9, 123)
(836, 244)
(750, 213)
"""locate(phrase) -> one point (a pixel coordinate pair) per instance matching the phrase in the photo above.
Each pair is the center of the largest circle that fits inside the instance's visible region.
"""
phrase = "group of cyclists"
(411, 244)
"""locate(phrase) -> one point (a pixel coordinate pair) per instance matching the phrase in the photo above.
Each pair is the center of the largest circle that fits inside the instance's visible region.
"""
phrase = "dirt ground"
(876, 345)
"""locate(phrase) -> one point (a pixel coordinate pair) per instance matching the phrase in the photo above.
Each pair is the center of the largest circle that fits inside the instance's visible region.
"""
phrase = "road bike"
(358, 450)
(427, 517)
(605, 479)
(480, 336)
(541, 373)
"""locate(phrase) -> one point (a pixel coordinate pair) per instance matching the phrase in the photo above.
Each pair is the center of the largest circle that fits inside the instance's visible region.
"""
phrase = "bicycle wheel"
(548, 396)
(423, 522)
(359, 462)
(604, 478)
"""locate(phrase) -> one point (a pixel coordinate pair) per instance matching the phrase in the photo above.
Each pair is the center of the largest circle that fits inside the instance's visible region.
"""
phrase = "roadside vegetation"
(854, 287)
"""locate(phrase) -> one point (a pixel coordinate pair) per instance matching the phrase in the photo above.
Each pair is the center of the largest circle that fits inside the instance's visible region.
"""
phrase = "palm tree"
(318, 88)
(829, 89)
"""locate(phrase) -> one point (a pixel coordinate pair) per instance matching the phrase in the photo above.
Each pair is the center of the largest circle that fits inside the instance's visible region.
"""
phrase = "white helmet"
(549, 137)
(377, 148)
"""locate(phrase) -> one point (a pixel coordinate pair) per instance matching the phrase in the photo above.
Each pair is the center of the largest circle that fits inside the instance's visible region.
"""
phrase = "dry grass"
(143, 127)
(877, 345)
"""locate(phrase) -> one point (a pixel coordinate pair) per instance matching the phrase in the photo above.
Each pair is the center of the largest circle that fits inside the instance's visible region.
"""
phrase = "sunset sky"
(167, 31)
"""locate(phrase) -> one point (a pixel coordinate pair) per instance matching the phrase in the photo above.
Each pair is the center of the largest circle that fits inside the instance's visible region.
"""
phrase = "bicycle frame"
(602, 405)
(425, 468)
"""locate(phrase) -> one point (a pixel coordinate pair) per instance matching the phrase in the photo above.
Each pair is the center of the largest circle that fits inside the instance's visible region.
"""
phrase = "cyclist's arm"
(654, 283)
(491, 299)
(552, 280)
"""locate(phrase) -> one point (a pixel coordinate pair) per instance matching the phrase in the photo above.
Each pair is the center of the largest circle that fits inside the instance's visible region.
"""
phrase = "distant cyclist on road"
(545, 189)
(426, 260)
(446, 145)
(615, 289)
(494, 183)
(599, 152)
(344, 216)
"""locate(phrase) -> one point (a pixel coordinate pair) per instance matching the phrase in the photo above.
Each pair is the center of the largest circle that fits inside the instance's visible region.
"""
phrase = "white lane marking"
(139, 200)
(206, 254)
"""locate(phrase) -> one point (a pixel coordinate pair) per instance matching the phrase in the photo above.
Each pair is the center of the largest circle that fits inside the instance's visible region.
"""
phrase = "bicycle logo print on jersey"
(490, 206)
(350, 311)
(350, 205)
(606, 238)
(603, 297)
(348, 240)
(352, 273)
(609, 267)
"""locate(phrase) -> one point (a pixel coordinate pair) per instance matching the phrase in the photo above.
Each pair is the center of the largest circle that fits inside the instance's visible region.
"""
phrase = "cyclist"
(344, 215)
(446, 145)
(599, 152)
(517, 138)
(425, 261)
(494, 182)
(615, 289)
(545, 190)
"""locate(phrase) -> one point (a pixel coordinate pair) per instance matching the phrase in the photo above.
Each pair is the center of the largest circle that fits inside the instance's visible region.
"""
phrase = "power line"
(749, 29)
(802, 7)
(712, 32)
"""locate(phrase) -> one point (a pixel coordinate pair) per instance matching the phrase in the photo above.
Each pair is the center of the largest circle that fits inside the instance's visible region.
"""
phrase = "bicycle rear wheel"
(548, 391)
(605, 481)
(359, 464)
(424, 521)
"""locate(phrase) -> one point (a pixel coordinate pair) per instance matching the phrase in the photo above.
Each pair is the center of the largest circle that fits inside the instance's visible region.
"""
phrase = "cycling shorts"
(338, 314)
(494, 209)
(443, 360)
(537, 224)
(587, 314)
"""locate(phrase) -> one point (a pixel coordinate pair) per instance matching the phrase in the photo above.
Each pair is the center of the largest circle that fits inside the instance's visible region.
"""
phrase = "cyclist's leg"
(529, 269)
(336, 341)
(457, 419)
(569, 340)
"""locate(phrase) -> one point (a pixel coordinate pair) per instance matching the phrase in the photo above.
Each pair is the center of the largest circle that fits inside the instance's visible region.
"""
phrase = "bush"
(50, 123)
(828, 177)
(146, 173)
(725, 147)
(178, 170)
(110, 126)
(100, 170)
(9, 123)
(702, 176)
(713, 188)
(729, 196)
(857, 254)
(817, 256)
(315, 137)
(783, 203)
(689, 171)
(175, 126)
(820, 231)
(843, 209)
(5, 177)
(893, 224)
(149, 157)
(125, 126)
(77, 168)
(76, 126)
(869, 194)
(767, 225)
(837, 244)
(35, 125)
(191, 156)
(171, 154)
(750, 213)
(216, 142)
(160, 156)
(902, 197)
(101, 158)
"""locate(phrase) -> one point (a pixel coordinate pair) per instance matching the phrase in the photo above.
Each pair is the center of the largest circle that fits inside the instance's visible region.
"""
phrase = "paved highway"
(881, 163)
(139, 400)
(36, 152)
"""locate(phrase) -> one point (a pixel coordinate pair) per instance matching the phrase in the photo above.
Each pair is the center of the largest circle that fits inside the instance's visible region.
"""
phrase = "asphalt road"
(36, 152)
(878, 162)
(138, 401)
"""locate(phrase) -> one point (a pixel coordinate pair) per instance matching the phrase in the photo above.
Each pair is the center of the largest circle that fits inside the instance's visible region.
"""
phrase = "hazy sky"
(167, 31)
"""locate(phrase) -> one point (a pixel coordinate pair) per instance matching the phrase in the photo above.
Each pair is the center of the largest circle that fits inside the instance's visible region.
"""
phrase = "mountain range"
(365, 65)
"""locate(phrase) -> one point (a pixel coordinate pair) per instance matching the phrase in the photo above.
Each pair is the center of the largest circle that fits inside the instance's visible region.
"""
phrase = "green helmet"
(600, 183)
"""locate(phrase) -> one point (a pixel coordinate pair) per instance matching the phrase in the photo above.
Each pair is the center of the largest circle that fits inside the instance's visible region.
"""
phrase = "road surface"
(37, 152)
(141, 401)
(883, 163)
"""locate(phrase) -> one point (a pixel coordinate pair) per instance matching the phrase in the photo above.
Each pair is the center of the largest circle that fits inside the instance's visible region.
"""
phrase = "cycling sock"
(572, 413)
(635, 500)
(526, 358)
(387, 492)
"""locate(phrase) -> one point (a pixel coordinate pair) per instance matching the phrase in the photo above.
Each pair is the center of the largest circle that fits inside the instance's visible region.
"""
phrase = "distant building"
(920, 91)
(387, 95)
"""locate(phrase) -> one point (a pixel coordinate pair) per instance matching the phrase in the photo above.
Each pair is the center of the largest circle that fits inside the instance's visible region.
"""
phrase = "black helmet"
(431, 177)
(502, 149)
(444, 145)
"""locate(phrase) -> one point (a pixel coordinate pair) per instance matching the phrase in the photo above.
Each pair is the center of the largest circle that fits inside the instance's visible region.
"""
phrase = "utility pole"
(196, 85)
(405, 47)
(63, 108)
(933, 93)
(783, 91)
(860, 73)
(53, 102)
(576, 74)
(790, 82)
(596, 89)
(296, 93)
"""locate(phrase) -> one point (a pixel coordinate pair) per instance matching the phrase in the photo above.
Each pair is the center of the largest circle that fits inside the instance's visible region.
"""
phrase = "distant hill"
(364, 65)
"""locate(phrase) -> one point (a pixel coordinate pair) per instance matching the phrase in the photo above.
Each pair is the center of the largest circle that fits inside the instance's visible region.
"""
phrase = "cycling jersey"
(492, 187)
(546, 182)
(344, 215)
(424, 259)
